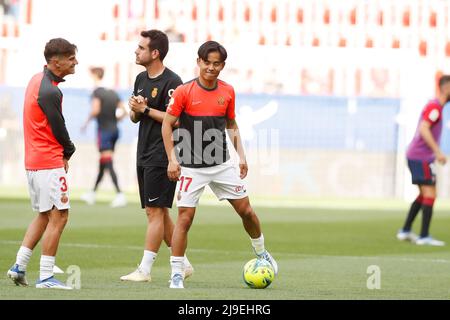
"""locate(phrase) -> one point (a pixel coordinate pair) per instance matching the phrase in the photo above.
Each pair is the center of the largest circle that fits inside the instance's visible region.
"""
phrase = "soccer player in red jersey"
(205, 107)
(422, 152)
(48, 149)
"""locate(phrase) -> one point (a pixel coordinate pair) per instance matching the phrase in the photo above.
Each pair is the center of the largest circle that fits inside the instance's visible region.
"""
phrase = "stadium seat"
(423, 48)
(406, 18)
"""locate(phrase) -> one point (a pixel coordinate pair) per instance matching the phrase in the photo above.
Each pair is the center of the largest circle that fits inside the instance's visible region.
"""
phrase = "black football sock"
(413, 211)
(427, 212)
(109, 166)
(101, 172)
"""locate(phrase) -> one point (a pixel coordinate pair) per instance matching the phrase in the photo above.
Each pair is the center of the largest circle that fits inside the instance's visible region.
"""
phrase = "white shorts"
(223, 180)
(48, 188)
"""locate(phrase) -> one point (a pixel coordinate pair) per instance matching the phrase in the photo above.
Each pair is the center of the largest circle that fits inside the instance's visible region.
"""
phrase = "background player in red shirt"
(205, 107)
(48, 149)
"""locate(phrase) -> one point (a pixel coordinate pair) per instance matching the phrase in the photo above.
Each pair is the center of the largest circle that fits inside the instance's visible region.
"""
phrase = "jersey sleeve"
(431, 113)
(177, 102)
(231, 114)
(95, 94)
(51, 106)
(135, 88)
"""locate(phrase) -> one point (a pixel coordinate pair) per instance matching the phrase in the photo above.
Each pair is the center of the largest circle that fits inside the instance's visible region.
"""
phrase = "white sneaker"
(119, 201)
(177, 281)
(17, 276)
(188, 270)
(89, 197)
(407, 236)
(137, 276)
(429, 241)
(268, 257)
(52, 283)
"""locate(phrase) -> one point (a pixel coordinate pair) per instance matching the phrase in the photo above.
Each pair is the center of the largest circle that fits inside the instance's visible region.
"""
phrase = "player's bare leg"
(168, 232)
(253, 227)
(35, 230)
(179, 244)
(168, 228)
(57, 220)
(249, 218)
(155, 228)
(159, 227)
(154, 235)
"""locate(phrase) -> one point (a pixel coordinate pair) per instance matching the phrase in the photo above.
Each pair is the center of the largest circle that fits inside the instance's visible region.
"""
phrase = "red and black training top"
(203, 115)
(46, 138)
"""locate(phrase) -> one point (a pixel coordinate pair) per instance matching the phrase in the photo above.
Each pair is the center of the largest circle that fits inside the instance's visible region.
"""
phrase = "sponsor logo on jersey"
(154, 92)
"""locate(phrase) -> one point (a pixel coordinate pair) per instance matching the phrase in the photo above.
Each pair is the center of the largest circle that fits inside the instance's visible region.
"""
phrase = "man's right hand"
(173, 170)
(440, 157)
(66, 164)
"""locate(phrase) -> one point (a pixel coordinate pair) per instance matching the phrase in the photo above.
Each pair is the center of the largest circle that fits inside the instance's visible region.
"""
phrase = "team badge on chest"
(64, 198)
(221, 100)
(154, 92)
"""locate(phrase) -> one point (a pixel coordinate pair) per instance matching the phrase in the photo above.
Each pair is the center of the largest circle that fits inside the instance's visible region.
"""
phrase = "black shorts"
(155, 188)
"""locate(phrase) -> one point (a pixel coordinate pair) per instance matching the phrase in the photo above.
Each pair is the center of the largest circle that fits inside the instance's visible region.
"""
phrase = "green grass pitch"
(323, 253)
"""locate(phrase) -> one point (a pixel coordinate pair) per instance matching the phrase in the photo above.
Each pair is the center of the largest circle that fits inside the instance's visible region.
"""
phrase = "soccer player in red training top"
(48, 149)
(421, 154)
(205, 108)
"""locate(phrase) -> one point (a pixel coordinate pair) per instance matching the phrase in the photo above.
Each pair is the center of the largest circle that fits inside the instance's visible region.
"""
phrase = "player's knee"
(246, 212)
(185, 221)
(59, 221)
(154, 213)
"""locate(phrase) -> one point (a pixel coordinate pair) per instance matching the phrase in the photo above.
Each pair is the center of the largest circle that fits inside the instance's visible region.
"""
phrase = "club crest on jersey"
(154, 92)
(221, 100)
(64, 198)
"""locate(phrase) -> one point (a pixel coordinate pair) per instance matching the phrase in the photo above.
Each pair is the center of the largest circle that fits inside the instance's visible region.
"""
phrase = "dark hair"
(444, 80)
(98, 71)
(158, 41)
(212, 46)
(58, 47)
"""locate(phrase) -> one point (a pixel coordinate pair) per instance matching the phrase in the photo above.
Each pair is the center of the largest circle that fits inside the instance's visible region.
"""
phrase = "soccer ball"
(258, 273)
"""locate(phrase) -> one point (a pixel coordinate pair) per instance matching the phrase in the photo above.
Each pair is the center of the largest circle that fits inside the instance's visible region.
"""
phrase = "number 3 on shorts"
(188, 183)
(63, 183)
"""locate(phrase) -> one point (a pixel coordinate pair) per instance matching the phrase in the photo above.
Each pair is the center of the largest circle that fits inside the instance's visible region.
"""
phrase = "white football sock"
(23, 257)
(177, 264)
(46, 267)
(258, 244)
(147, 261)
(186, 260)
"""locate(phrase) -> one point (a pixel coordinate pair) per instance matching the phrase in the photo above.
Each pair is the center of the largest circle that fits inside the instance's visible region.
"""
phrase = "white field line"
(284, 254)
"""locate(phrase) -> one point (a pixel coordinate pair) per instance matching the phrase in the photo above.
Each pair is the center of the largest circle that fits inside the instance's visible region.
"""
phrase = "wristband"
(147, 110)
